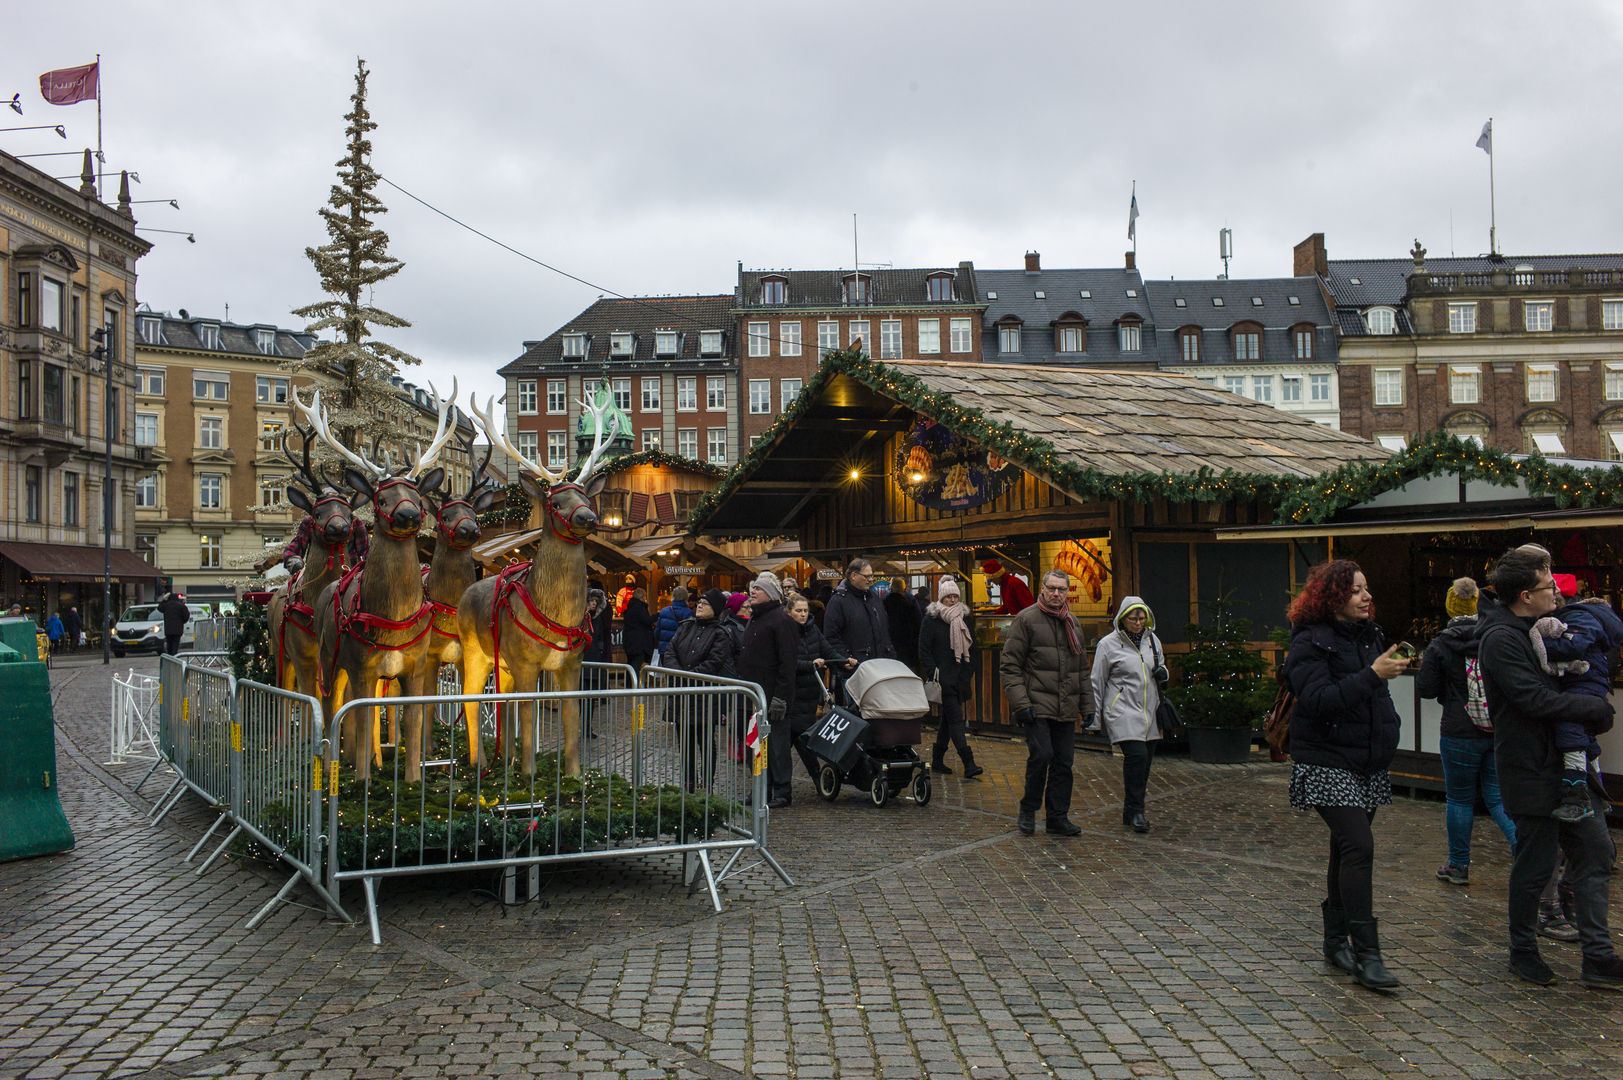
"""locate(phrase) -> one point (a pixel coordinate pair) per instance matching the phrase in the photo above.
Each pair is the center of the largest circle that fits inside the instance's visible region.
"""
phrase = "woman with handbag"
(947, 658)
(1128, 677)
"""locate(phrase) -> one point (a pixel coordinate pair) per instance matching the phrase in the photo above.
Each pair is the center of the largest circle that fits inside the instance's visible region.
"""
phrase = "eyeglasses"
(1551, 587)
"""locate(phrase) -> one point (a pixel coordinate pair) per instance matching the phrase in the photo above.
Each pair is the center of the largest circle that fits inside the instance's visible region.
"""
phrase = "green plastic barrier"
(31, 818)
(8, 655)
(19, 635)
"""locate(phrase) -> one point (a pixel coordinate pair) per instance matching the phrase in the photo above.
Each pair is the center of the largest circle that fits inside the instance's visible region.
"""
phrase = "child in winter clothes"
(1575, 644)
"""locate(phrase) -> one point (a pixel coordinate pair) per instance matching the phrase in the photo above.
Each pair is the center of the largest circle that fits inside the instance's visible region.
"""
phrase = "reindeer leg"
(411, 686)
(475, 670)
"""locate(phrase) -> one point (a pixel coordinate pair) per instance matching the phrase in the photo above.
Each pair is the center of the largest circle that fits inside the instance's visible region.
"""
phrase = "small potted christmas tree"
(1223, 688)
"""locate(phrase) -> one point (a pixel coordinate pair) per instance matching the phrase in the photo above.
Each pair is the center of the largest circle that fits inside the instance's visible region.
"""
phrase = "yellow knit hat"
(1461, 598)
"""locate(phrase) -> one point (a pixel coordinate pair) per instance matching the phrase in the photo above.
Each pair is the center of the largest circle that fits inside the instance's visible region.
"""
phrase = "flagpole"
(100, 157)
(1493, 220)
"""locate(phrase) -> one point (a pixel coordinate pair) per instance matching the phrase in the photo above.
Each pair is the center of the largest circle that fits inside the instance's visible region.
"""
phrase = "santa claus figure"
(1015, 592)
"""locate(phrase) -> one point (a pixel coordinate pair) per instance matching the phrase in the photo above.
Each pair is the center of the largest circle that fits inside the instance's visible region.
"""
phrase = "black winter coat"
(808, 687)
(1442, 676)
(601, 650)
(935, 653)
(175, 616)
(702, 646)
(855, 623)
(902, 620)
(1344, 716)
(768, 652)
(1525, 703)
(637, 629)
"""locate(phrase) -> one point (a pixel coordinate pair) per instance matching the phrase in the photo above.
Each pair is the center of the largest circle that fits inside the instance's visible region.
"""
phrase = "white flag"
(1132, 216)
(1485, 141)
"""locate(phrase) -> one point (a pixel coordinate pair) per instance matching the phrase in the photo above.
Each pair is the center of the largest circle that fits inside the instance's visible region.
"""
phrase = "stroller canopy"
(887, 690)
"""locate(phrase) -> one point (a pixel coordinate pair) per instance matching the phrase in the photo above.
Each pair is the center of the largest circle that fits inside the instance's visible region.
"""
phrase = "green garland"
(516, 505)
(250, 648)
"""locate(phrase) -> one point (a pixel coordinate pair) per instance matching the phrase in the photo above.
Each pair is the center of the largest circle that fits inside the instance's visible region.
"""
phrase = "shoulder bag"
(1166, 713)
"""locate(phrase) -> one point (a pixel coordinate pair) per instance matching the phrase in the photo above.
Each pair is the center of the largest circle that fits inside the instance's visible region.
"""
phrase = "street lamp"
(16, 104)
(190, 239)
(58, 128)
(172, 202)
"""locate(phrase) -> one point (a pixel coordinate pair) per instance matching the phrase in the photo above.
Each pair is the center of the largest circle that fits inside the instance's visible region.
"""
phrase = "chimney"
(1308, 258)
(1033, 262)
(1132, 261)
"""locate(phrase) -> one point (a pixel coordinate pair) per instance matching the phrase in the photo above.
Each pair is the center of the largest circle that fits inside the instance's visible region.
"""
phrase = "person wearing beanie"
(670, 618)
(856, 623)
(1016, 594)
(1461, 598)
(947, 653)
(768, 583)
(767, 657)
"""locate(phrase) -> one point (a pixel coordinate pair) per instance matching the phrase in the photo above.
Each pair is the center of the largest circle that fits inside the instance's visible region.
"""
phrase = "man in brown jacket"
(1045, 677)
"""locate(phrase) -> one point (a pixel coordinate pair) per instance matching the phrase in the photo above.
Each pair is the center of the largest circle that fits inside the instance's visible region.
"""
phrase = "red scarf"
(1062, 613)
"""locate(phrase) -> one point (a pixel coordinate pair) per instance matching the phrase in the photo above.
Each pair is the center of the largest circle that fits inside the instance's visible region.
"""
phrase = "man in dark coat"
(670, 619)
(855, 622)
(903, 621)
(175, 617)
(74, 626)
(1524, 703)
(767, 658)
(637, 630)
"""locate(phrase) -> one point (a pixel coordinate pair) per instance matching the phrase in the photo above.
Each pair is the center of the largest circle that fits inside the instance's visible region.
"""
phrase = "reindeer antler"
(303, 470)
(318, 420)
(442, 432)
(478, 480)
(498, 437)
(603, 438)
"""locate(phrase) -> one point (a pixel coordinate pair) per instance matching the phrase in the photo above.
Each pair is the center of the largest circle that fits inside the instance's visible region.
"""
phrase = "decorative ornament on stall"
(940, 469)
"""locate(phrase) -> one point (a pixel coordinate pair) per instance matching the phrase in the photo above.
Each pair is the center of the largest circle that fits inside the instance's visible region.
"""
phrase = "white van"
(140, 629)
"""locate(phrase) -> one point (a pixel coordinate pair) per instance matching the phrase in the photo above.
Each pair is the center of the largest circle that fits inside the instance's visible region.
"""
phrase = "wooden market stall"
(1121, 478)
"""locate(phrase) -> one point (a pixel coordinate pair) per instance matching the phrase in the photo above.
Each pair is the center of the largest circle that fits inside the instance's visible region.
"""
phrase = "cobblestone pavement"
(930, 941)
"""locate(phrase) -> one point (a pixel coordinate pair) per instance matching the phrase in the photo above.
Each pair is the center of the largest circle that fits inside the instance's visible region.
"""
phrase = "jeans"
(1136, 755)
(952, 727)
(1349, 877)
(1468, 771)
(1590, 854)
(1050, 749)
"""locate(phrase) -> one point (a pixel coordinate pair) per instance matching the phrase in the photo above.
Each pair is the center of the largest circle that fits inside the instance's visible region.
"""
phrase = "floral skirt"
(1324, 785)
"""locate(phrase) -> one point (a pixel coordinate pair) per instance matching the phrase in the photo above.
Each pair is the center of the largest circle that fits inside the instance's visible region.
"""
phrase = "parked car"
(140, 629)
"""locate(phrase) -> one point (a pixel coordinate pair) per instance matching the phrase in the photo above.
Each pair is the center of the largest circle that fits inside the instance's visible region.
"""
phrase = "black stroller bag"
(837, 738)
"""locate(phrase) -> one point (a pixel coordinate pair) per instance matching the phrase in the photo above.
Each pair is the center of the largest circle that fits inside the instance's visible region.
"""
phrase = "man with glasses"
(1045, 678)
(855, 622)
(1525, 702)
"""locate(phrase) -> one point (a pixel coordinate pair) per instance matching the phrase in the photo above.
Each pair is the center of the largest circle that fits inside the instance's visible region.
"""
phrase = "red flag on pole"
(68, 86)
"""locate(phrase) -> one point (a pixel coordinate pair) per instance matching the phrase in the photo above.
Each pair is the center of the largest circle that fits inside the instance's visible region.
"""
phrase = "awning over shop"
(73, 562)
(1431, 523)
(497, 551)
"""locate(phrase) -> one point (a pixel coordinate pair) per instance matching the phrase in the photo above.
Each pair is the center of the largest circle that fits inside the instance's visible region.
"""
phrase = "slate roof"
(1382, 281)
(1106, 302)
(641, 316)
(888, 287)
(1276, 313)
(240, 339)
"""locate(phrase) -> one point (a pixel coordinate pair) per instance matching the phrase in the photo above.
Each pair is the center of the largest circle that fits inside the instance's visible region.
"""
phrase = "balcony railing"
(1573, 280)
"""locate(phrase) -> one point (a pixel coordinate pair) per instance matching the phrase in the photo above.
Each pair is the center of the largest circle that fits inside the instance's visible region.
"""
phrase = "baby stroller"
(872, 748)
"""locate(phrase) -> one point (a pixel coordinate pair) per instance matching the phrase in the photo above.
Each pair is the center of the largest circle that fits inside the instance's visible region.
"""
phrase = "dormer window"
(1130, 334)
(774, 290)
(1189, 344)
(665, 342)
(150, 327)
(710, 343)
(1247, 341)
(939, 287)
(208, 335)
(1070, 333)
(855, 288)
(1008, 336)
(622, 344)
(265, 341)
(574, 345)
(1381, 320)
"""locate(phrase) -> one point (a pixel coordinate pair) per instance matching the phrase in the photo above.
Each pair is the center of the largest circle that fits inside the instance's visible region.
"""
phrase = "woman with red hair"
(1344, 730)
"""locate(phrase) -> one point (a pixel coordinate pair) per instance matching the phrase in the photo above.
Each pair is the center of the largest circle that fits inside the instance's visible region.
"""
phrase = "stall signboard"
(829, 575)
(1087, 561)
(938, 468)
(685, 571)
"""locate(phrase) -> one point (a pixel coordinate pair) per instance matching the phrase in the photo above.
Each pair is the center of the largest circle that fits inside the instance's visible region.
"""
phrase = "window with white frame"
(272, 490)
(789, 338)
(788, 390)
(760, 339)
(1547, 443)
(146, 429)
(1614, 382)
(211, 432)
(270, 436)
(929, 337)
(774, 291)
(1304, 344)
(715, 393)
(1538, 315)
(1070, 339)
(210, 491)
(1318, 388)
(1540, 382)
(1290, 389)
(557, 449)
(760, 396)
(211, 385)
(1008, 338)
(150, 327)
(1130, 336)
(1262, 387)
(1611, 314)
(963, 332)
(716, 448)
(650, 439)
(1614, 444)
(939, 287)
(709, 342)
(574, 345)
(527, 444)
(854, 289)
(1464, 384)
(1247, 345)
(146, 492)
(1462, 318)
(149, 381)
(622, 345)
(1389, 386)
(526, 397)
(1189, 346)
(1234, 384)
(828, 337)
(687, 442)
(687, 393)
(622, 394)
(857, 332)
(1381, 320)
(557, 397)
(265, 341)
(890, 339)
(208, 550)
(650, 394)
(208, 335)
(270, 390)
(665, 342)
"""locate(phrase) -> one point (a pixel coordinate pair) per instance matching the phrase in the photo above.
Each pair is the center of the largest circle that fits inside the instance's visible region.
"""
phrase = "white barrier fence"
(133, 720)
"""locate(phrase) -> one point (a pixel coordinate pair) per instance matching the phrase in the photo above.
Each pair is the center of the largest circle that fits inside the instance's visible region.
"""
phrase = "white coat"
(1125, 694)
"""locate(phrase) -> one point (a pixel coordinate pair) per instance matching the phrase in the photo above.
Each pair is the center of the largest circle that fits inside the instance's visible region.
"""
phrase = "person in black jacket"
(1525, 703)
(814, 655)
(855, 622)
(637, 630)
(767, 658)
(704, 646)
(175, 617)
(948, 654)
(902, 619)
(1343, 733)
(1449, 673)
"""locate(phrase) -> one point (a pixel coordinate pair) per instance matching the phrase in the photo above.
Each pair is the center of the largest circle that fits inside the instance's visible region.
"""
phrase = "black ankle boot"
(1368, 968)
(937, 765)
(1337, 949)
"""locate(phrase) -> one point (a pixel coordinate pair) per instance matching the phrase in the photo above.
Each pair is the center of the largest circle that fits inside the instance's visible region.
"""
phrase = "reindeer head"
(333, 511)
(397, 500)
(458, 519)
(567, 504)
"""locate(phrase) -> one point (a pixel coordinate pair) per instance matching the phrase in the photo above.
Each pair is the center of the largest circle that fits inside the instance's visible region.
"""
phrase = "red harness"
(347, 621)
(511, 580)
(299, 607)
(437, 607)
(560, 524)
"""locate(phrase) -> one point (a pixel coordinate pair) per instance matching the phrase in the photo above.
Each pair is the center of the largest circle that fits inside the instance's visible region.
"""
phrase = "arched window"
(775, 290)
(1008, 335)
(1381, 320)
(939, 286)
(1071, 333)
(1189, 344)
(1130, 333)
(1246, 338)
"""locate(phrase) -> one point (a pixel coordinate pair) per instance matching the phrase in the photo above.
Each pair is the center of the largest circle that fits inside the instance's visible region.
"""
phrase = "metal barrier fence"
(213, 635)
(658, 775)
(133, 719)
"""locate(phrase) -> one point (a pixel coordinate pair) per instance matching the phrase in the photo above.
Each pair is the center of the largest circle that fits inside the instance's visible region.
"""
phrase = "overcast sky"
(648, 147)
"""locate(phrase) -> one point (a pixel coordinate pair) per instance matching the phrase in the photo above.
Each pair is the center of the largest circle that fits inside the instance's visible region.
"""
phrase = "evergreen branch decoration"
(250, 647)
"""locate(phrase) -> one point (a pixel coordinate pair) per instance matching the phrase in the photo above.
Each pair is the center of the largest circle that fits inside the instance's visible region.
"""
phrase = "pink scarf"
(1062, 613)
(958, 630)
